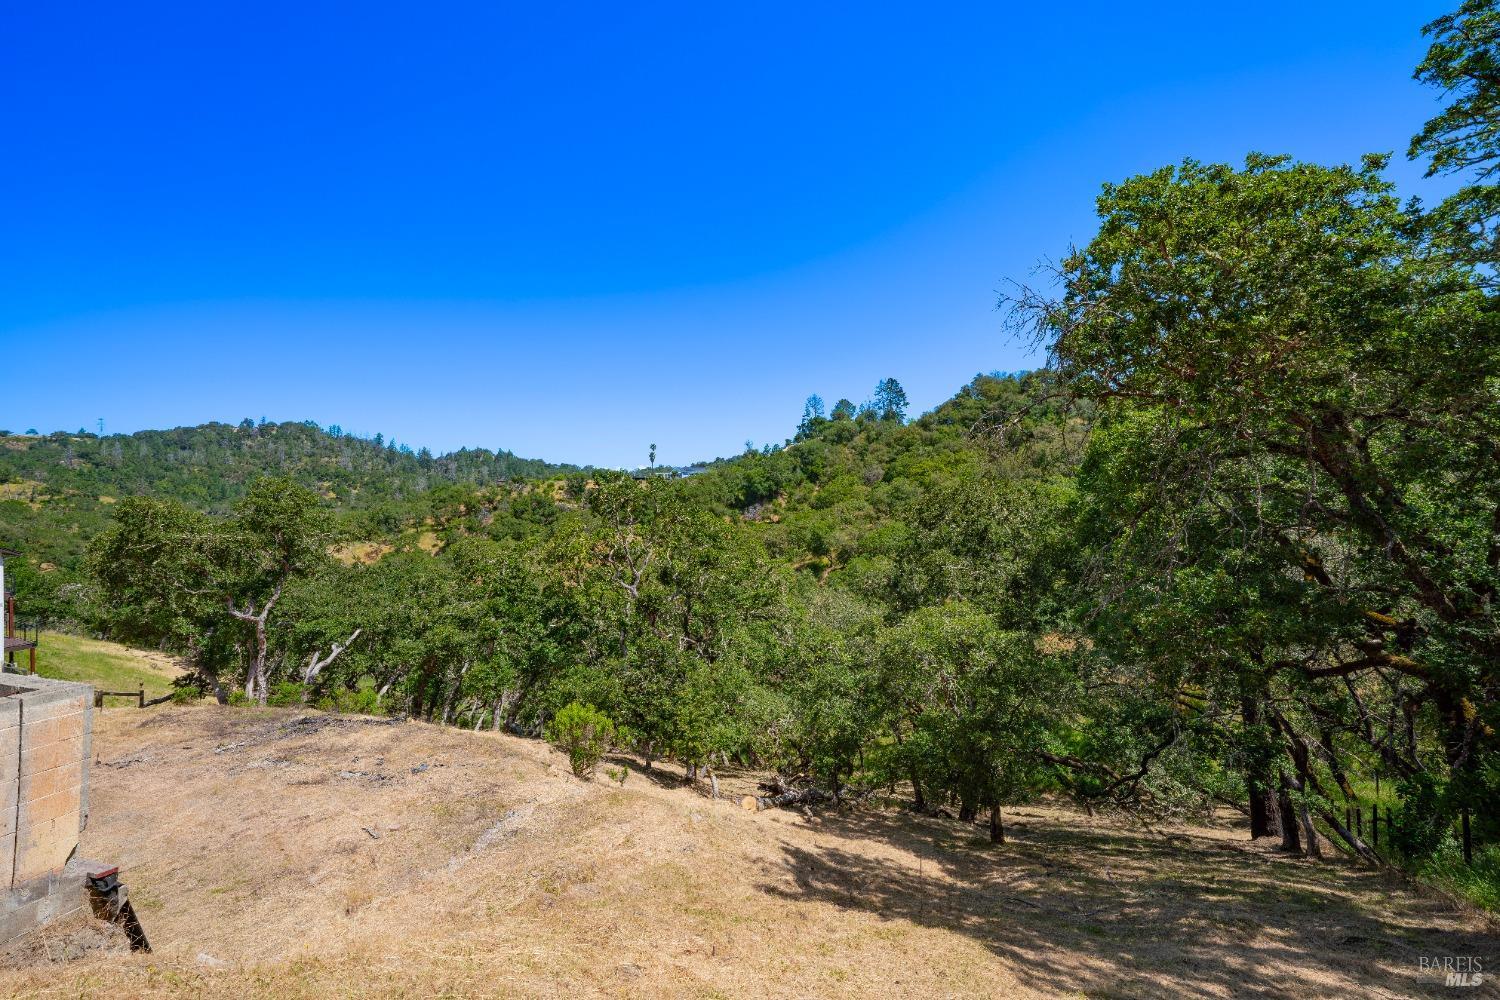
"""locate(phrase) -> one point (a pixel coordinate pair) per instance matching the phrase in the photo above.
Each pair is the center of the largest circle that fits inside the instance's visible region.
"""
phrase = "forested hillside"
(57, 491)
(1237, 544)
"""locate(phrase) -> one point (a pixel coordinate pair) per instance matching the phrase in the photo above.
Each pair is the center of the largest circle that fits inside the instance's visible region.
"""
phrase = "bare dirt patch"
(285, 853)
(366, 553)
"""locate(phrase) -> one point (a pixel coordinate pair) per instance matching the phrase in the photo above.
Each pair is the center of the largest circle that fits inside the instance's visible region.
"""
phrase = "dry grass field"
(291, 854)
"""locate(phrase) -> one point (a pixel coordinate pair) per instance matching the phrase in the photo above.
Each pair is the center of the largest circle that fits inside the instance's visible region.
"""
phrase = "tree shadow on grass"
(1132, 914)
(657, 774)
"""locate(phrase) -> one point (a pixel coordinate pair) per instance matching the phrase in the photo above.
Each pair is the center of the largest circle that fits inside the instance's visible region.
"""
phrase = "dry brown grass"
(28, 491)
(269, 856)
(367, 553)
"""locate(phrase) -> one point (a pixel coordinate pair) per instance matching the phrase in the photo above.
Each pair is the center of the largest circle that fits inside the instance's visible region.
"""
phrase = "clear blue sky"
(573, 230)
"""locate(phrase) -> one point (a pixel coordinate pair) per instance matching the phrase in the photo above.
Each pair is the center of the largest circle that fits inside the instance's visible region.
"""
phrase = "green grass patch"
(1478, 883)
(106, 665)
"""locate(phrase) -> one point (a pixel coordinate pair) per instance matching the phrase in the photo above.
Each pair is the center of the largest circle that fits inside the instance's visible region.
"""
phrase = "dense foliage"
(1239, 543)
(59, 490)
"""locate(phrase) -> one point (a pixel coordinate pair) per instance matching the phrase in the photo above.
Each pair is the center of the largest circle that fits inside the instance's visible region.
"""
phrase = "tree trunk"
(967, 810)
(316, 665)
(450, 709)
(1263, 818)
(713, 780)
(255, 681)
(1309, 833)
(1262, 810)
(997, 825)
(1290, 841)
(1305, 783)
(1352, 837)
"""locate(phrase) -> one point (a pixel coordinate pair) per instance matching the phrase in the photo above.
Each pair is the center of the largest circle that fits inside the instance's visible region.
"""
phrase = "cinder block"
(36, 888)
(45, 846)
(87, 758)
(40, 706)
(64, 777)
(10, 764)
(40, 901)
(35, 759)
(9, 794)
(51, 730)
(48, 807)
(10, 754)
(44, 740)
(23, 919)
(60, 903)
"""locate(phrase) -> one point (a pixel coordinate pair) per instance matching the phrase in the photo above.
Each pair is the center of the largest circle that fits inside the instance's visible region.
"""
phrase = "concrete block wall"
(46, 736)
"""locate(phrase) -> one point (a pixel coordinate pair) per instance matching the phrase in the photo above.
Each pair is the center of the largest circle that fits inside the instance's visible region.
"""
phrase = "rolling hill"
(276, 852)
(57, 490)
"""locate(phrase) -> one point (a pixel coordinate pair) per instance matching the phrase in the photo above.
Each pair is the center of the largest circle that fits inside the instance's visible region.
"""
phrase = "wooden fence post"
(141, 697)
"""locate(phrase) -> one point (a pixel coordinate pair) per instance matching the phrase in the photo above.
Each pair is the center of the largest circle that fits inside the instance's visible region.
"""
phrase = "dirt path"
(275, 854)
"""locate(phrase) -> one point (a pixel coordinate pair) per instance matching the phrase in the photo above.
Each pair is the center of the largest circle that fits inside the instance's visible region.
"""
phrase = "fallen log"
(794, 797)
(781, 795)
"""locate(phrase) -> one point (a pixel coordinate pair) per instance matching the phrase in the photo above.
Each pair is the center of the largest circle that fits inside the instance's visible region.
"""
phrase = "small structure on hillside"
(46, 737)
(17, 637)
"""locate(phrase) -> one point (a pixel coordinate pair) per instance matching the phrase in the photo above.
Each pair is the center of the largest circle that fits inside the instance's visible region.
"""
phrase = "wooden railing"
(139, 696)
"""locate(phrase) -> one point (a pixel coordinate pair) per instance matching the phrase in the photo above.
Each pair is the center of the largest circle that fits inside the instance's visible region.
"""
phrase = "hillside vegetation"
(269, 852)
(59, 490)
(1237, 546)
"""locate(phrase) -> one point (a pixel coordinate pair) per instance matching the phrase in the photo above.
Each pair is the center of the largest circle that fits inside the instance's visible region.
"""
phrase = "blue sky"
(573, 230)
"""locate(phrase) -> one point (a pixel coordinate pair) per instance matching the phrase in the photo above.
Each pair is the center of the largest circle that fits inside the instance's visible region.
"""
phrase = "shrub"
(583, 733)
(238, 697)
(186, 694)
(1478, 883)
(364, 701)
(285, 693)
(1419, 824)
